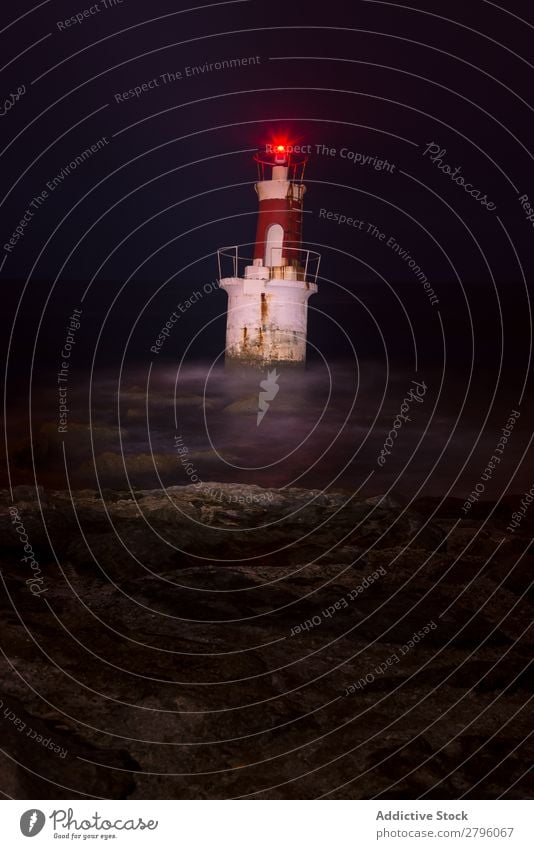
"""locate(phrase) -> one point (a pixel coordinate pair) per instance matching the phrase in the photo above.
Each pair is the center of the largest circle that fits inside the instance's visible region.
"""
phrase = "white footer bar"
(270, 824)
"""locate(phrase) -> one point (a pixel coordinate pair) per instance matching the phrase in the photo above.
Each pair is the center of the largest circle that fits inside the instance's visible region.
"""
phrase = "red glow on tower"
(281, 192)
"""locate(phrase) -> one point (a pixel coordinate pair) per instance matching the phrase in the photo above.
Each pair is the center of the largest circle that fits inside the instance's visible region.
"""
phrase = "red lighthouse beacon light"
(268, 293)
(281, 195)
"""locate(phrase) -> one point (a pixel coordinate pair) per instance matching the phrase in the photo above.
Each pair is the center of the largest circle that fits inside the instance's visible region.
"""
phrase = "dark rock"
(200, 642)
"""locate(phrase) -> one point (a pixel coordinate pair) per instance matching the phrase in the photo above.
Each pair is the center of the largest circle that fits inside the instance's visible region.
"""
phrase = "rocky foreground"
(230, 641)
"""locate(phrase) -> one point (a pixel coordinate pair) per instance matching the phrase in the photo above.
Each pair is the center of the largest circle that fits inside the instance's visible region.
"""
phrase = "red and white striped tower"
(268, 303)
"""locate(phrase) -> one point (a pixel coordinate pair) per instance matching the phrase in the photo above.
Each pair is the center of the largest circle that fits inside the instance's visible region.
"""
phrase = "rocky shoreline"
(163, 653)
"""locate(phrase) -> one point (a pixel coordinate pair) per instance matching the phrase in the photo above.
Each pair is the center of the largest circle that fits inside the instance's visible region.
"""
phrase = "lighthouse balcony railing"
(285, 264)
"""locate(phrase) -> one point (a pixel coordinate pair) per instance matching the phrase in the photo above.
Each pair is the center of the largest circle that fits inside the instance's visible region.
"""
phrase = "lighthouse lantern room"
(268, 292)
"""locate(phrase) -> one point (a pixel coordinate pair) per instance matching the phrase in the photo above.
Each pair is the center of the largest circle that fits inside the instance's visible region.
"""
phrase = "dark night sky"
(141, 219)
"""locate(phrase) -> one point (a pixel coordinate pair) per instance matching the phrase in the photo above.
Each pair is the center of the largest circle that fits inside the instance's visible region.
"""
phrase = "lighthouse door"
(273, 245)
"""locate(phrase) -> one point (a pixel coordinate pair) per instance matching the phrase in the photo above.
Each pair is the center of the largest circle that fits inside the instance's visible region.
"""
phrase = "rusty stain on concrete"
(264, 308)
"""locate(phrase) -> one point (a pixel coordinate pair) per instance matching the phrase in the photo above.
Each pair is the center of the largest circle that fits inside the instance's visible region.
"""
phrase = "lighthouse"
(268, 291)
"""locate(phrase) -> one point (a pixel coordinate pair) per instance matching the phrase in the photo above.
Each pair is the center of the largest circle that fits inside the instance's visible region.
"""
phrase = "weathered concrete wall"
(267, 320)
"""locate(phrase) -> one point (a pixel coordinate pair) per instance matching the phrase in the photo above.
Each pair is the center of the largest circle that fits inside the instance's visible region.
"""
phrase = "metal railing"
(300, 263)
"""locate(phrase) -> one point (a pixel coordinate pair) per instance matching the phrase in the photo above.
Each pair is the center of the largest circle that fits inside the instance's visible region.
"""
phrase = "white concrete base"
(267, 320)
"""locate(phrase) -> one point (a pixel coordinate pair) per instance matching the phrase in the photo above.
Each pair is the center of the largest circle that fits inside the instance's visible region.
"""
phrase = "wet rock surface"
(229, 641)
